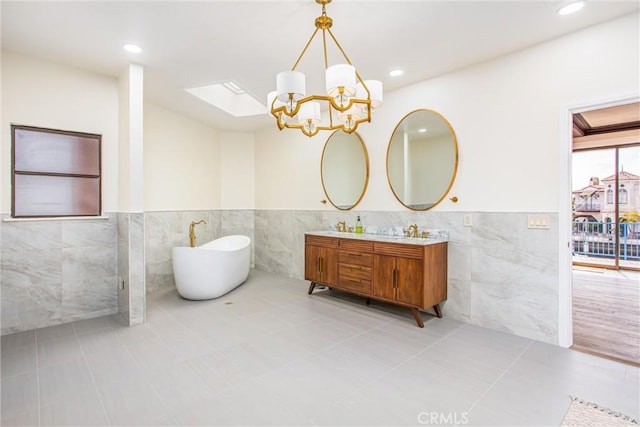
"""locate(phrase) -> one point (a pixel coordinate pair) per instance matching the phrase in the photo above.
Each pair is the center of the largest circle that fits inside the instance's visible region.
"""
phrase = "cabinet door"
(320, 264)
(409, 281)
(329, 265)
(312, 263)
(383, 276)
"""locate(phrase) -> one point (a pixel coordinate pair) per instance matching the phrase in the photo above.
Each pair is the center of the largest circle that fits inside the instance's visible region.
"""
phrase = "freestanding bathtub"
(212, 269)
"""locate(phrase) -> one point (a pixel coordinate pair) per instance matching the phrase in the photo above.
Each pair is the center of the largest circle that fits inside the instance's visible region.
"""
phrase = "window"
(609, 196)
(622, 196)
(55, 173)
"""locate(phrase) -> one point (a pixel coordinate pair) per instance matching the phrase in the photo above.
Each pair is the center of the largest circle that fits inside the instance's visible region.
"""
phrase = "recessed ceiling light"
(396, 73)
(132, 48)
(423, 130)
(570, 8)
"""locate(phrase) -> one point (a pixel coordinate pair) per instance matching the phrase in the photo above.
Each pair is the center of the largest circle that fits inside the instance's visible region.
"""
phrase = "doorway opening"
(605, 232)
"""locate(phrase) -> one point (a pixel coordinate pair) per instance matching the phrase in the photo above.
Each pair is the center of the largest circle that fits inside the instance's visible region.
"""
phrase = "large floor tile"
(481, 362)
(91, 325)
(55, 332)
(18, 339)
(153, 354)
(98, 341)
(530, 403)
(29, 418)
(219, 370)
(113, 365)
(79, 408)
(269, 354)
(58, 351)
(16, 360)
(19, 395)
(133, 401)
(179, 384)
(64, 379)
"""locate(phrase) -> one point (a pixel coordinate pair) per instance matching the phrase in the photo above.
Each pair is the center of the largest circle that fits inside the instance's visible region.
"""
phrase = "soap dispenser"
(358, 226)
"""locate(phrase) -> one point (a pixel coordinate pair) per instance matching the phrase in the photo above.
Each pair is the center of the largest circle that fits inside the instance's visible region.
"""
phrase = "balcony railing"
(588, 207)
(597, 239)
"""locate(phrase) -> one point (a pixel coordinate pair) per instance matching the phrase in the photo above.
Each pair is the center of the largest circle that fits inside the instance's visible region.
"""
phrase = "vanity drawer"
(353, 245)
(354, 272)
(330, 242)
(399, 249)
(355, 284)
(356, 258)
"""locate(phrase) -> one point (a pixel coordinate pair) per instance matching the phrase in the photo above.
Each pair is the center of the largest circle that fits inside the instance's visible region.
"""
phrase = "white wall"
(288, 170)
(505, 114)
(44, 94)
(181, 162)
(237, 170)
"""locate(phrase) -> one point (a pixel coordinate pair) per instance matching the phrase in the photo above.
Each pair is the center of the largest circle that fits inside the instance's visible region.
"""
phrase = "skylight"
(229, 97)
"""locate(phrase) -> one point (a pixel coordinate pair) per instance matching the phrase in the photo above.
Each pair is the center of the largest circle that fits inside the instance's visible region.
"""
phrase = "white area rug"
(587, 414)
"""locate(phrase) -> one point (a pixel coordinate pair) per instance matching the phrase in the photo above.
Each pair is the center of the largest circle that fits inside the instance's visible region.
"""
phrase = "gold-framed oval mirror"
(422, 159)
(344, 169)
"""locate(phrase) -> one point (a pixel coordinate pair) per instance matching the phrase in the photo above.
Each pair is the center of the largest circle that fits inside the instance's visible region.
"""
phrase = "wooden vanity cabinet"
(411, 275)
(321, 260)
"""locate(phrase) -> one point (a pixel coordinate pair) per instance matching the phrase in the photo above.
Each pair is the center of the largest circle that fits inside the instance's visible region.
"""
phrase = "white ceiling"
(188, 44)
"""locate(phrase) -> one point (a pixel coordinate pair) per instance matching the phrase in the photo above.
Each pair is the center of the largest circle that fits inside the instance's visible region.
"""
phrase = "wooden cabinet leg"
(416, 315)
(367, 301)
(436, 308)
(311, 287)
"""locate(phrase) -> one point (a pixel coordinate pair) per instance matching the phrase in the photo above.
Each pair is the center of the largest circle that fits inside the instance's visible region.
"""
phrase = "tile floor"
(269, 354)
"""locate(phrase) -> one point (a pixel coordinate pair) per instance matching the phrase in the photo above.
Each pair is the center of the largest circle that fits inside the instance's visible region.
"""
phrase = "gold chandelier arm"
(305, 49)
(324, 47)
(339, 47)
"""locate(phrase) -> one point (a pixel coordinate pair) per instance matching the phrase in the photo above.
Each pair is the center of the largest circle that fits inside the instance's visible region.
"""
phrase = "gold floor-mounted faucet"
(192, 232)
(413, 227)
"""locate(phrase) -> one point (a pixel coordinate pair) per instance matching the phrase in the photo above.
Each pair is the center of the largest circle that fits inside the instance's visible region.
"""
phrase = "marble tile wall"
(123, 265)
(164, 230)
(137, 270)
(131, 268)
(57, 271)
(279, 240)
(501, 274)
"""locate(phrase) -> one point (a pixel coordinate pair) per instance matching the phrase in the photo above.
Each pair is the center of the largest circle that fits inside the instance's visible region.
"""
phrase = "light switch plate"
(468, 221)
(538, 221)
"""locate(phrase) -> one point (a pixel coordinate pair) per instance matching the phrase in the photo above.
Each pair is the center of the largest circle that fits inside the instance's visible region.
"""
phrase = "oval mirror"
(344, 169)
(422, 159)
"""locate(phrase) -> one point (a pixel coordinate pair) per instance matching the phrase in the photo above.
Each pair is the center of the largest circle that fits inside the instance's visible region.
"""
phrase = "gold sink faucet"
(192, 232)
(341, 226)
(413, 227)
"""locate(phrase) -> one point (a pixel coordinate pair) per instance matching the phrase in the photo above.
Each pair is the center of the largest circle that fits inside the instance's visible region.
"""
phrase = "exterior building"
(628, 195)
(596, 202)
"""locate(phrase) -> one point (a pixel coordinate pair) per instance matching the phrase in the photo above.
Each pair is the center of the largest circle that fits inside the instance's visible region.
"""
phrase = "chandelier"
(349, 100)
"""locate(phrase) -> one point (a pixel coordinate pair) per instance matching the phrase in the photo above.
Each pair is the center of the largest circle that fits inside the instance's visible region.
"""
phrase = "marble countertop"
(379, 237)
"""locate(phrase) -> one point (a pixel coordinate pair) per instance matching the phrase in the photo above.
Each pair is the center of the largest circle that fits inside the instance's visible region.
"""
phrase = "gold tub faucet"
(192, 232)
